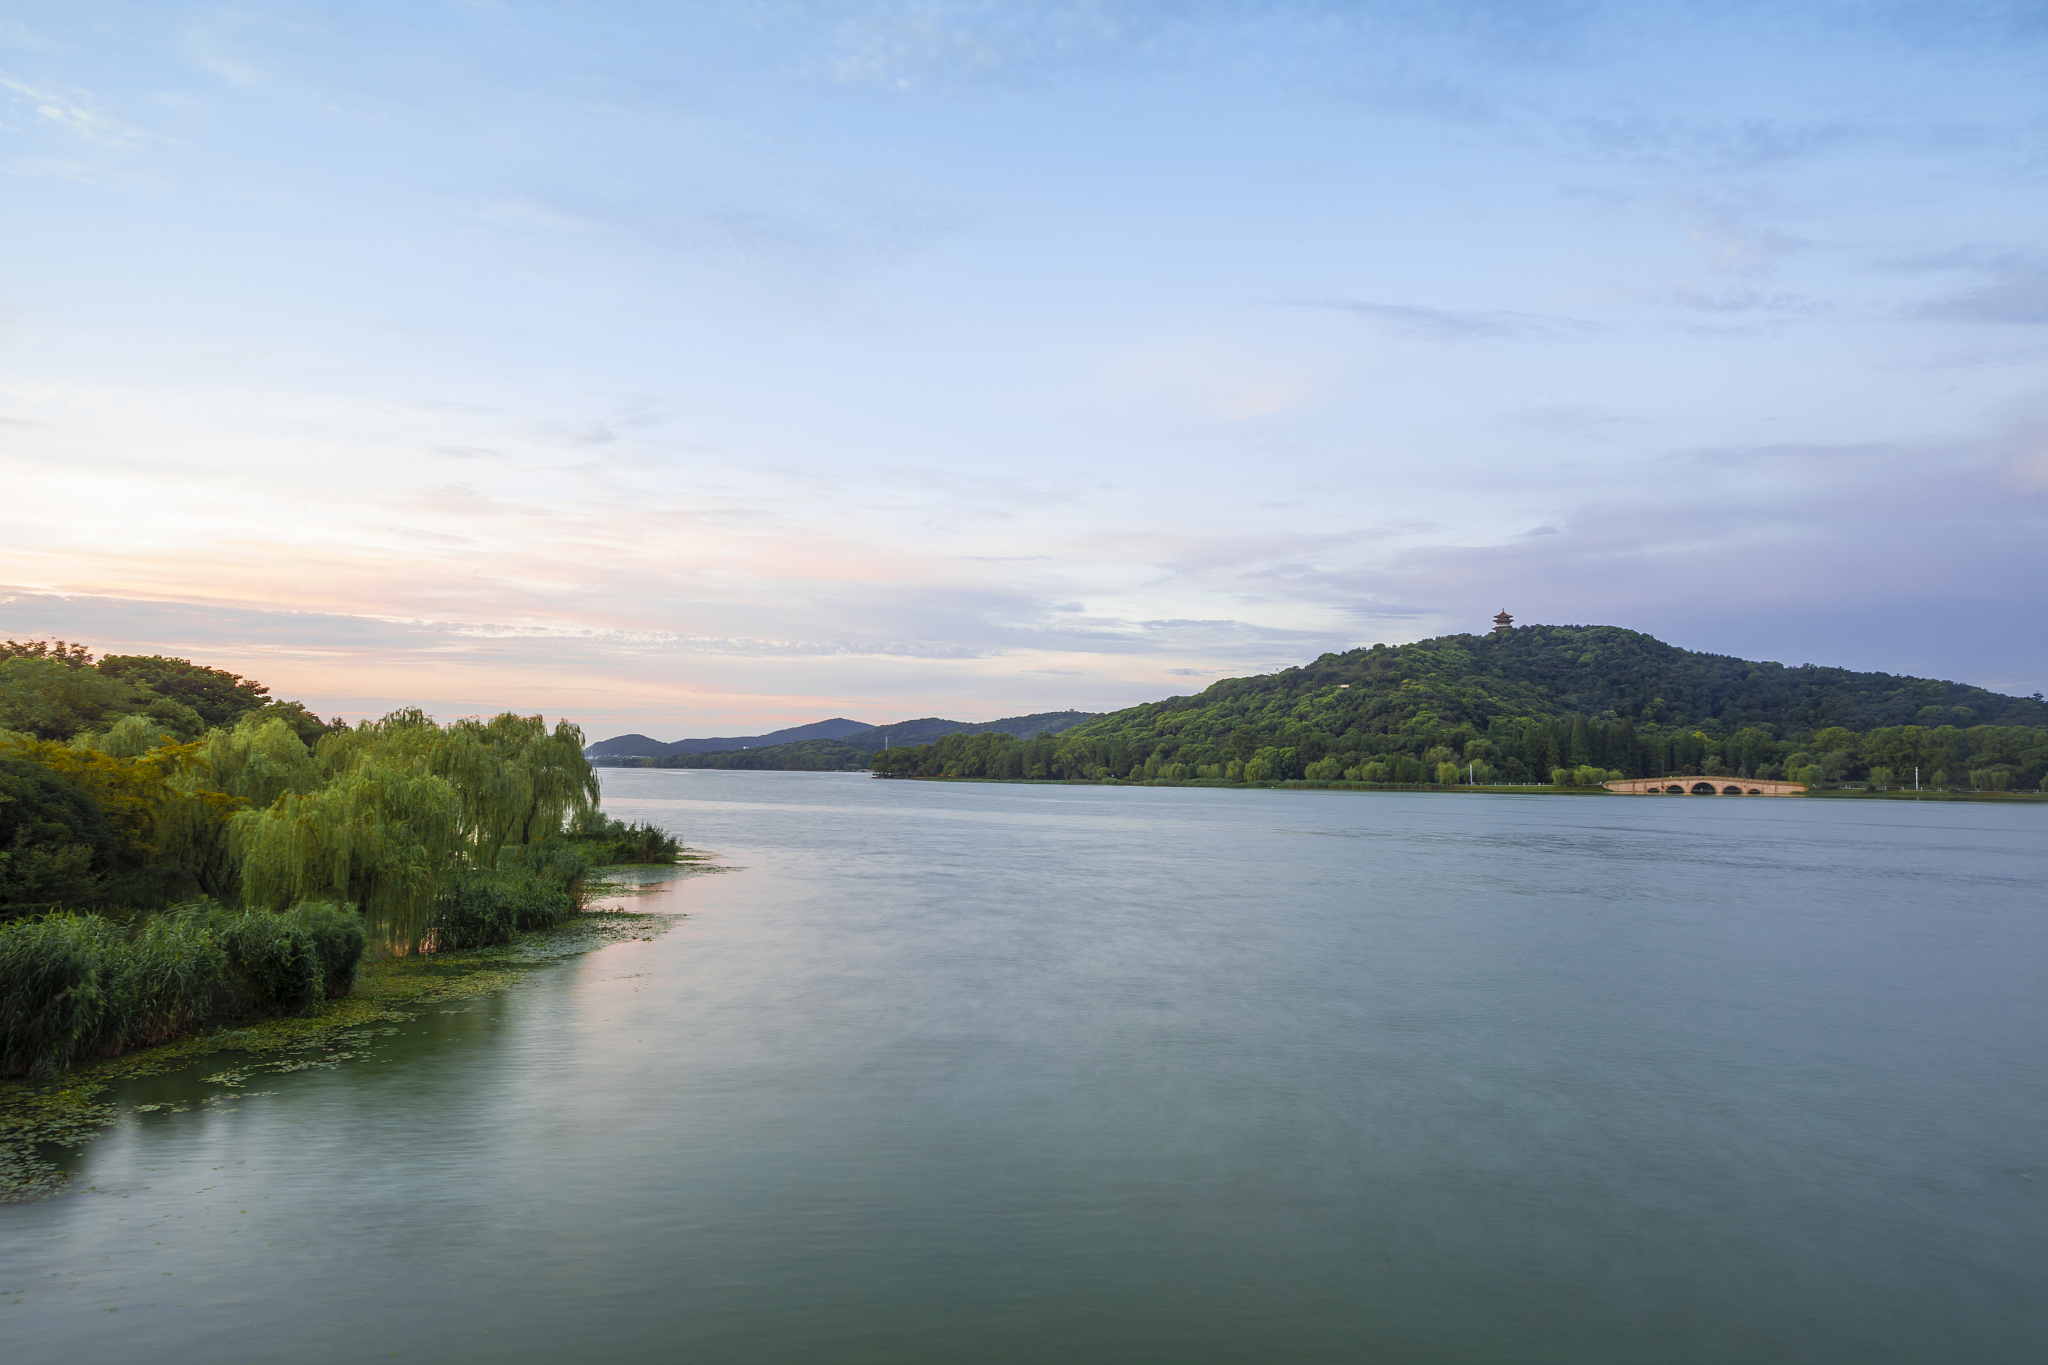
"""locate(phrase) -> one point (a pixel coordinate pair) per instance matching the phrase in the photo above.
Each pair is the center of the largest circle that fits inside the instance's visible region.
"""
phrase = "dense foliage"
(175, 847)
(1539, 704)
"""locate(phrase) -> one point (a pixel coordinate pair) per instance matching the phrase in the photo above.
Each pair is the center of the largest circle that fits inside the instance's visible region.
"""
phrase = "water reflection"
(1020, 1073)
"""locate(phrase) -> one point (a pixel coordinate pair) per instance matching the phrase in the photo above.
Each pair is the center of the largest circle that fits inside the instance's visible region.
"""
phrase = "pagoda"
(1503, 623)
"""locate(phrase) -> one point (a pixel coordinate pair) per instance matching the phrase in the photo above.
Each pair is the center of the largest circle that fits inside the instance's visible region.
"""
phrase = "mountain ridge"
(851, 751)
(640, 746)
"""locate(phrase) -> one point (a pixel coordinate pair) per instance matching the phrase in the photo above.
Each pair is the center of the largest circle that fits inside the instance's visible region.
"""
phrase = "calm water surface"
(1003, 1073)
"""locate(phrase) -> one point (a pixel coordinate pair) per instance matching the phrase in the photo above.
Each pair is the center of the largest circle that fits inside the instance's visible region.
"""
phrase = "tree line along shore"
(177, 848)
(1551, 706)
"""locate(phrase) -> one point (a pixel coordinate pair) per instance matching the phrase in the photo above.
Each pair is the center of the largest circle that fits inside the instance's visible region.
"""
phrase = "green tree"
(217, 696)
(55, 847)
(52, 699)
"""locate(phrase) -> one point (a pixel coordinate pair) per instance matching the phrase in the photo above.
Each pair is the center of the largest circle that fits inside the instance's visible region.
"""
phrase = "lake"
(992, 1073)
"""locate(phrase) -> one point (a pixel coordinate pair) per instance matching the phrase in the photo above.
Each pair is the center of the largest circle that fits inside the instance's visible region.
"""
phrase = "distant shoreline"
(1494, 789)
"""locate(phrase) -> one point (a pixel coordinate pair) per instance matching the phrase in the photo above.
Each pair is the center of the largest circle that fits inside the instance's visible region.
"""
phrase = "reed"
(54, 979)
(77, 986)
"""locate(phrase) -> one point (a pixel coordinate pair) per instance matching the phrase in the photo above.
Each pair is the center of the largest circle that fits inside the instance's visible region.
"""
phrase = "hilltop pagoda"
(1503, 623)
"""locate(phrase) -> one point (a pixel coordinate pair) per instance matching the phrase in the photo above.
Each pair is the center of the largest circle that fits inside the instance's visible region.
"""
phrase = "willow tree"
(381, 836)
(537, 781)
(248, 767)
(400, 803)
(517, 781)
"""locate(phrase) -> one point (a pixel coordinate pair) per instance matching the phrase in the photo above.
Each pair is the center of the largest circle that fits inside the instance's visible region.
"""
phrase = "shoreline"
(1484, 789)
(73, 1109)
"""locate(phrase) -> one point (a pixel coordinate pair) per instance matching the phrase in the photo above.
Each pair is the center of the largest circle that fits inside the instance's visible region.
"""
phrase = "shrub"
(274, 966)
(168, 978)
(606, 840)
(559, 863)
(480, 908)
(338, 940)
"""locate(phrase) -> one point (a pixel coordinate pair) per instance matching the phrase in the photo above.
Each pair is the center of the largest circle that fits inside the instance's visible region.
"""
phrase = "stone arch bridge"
(1704, 786)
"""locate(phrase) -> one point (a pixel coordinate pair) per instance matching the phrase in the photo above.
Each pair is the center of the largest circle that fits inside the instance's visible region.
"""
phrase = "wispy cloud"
(73, 111)
(840, 354)
(1742, 299)
(1720, 144)
(1992, 283)
(2016, 296)
(1454, 324)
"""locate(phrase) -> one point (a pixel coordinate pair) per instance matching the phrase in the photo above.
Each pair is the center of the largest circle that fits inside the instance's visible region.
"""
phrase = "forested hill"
(640, 746)
(1563, 705)
(854, 752)
(930, 728)
(1558, 672)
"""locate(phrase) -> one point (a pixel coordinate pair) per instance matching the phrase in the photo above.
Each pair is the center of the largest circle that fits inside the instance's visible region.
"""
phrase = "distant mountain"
(640, 746)
(824, 753)
(931, 728)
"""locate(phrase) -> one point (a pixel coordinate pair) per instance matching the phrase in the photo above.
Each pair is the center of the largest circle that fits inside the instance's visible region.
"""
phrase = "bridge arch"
(1699, 784)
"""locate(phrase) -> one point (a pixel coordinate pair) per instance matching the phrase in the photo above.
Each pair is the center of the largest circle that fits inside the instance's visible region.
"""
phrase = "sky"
(701, 369)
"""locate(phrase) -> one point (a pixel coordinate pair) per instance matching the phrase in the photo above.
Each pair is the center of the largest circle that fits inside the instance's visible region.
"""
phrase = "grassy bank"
(71, 1109)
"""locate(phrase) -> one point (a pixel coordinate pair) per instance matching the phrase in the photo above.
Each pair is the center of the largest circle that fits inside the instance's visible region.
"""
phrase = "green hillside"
(1563, 671)
(1524, 703)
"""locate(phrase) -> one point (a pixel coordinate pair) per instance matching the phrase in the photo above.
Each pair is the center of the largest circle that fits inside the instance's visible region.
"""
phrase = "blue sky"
(692, 369)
